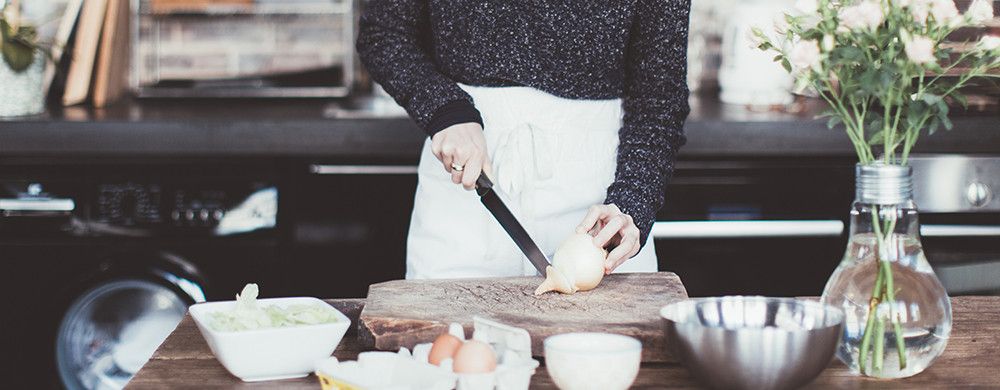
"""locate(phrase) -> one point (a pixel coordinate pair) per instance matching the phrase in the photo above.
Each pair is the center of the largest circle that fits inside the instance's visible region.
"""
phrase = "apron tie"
(521, 156)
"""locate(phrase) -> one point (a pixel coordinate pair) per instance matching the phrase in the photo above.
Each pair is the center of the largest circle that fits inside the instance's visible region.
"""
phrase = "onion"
(578, 265)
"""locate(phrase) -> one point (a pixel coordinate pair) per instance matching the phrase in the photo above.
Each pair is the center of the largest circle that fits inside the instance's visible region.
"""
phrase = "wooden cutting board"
(403, 313)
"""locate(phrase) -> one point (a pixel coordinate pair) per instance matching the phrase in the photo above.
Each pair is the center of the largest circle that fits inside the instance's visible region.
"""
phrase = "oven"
(348, 221)
(101, 258)
(960, 220)
(778, 226)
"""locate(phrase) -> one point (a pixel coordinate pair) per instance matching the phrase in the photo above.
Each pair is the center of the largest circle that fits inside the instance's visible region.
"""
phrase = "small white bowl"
(592, 361)
(271, 354)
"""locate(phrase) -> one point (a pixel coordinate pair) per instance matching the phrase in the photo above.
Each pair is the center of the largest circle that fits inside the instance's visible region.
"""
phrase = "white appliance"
(748, 75)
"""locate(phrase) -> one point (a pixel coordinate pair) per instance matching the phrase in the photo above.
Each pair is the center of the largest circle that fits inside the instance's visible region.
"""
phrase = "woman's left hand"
(613, 227)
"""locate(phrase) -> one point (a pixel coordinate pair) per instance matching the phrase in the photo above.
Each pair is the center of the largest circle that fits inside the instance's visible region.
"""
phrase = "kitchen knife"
(493, 201)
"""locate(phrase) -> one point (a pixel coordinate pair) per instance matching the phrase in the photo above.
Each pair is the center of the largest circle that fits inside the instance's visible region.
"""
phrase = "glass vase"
(897, 313)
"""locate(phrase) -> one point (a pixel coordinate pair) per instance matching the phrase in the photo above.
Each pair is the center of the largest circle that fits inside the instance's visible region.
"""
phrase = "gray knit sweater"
(418, 50)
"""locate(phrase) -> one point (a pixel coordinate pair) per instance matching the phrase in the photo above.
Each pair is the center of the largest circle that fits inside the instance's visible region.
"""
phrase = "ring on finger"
(457, 167)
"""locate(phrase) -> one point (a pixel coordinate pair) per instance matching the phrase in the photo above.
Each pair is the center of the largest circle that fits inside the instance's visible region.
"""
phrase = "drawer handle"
(959, 231)
(37, 205)
(363, 169)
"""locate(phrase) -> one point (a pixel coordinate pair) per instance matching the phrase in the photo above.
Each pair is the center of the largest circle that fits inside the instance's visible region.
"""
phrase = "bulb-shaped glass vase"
(897, 313)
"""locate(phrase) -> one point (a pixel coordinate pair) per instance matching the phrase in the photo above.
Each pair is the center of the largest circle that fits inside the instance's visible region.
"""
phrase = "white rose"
(989, 43)
(920, 49)
(805, 55)
(808, 13)
(980, 11)
(806, 7)
(828, 42)
(944, 11)
(780, 24)
(864, 15)
(920, 9)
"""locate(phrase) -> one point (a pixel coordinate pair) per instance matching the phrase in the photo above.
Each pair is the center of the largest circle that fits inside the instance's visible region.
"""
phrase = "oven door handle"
(747, 229)
(36, 206)
(322, 169)
(960, 230)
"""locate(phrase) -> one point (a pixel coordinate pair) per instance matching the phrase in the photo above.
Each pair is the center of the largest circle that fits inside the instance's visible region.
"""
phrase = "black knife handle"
(483, 184)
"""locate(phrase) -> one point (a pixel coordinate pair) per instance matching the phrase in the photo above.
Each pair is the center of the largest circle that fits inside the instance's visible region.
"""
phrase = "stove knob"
(978, 194)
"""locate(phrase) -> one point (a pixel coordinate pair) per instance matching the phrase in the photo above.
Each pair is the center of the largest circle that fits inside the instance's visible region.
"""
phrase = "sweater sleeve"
(394, 45)
(655, 105)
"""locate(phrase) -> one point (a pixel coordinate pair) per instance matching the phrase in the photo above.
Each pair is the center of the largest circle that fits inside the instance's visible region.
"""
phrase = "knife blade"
(493, 200)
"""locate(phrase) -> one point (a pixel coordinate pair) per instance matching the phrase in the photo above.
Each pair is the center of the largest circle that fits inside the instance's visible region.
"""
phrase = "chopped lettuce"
(249, 315)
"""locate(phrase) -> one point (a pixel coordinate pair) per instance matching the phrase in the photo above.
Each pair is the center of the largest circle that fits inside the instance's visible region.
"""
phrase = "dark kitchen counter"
(376, 129)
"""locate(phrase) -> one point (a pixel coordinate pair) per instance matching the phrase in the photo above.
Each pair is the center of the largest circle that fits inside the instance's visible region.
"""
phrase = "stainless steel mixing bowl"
(752, 342)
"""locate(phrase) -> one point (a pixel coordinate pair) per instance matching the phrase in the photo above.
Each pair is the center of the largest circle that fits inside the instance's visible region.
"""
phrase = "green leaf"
(931, 99)
(870, 81)
(16, 50)
(849, 53)
(943, 117)
(787, 65)
(961, 99)
(17, 55)
(886, 77)
(877, 138)
(834, 121)
(933, 126)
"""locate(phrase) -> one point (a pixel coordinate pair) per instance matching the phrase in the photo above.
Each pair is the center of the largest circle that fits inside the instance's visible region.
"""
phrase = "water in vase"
(921, 305)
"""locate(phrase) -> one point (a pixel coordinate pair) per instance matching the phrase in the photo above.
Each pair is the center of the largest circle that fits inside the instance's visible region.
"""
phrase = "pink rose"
(989, 43)
(805, 55)
(866, 15)
(920, 49)
(944, 11)
(979, 12)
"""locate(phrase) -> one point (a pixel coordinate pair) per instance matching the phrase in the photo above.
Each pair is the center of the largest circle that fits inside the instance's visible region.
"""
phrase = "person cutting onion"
(575, 109)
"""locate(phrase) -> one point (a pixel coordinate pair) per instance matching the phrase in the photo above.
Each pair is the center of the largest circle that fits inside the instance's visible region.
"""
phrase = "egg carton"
(383, 371)
(404, 370)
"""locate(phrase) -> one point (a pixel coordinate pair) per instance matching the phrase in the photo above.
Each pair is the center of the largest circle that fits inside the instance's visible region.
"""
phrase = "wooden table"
(972, 360)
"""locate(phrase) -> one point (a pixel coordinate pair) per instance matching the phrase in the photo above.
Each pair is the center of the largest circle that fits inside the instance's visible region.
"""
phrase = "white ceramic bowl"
(592, 361)
(270, 354)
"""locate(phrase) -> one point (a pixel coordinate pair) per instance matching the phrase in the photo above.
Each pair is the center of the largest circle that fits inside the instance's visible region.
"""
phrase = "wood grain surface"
(403, 313)
(971, 361)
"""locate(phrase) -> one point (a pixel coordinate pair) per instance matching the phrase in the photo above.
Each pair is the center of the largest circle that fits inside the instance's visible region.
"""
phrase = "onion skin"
(555, 281)
(578, 265)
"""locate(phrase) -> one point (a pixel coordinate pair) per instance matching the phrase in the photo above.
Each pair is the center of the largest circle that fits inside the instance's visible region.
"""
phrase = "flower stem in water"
(883, 291)
(878, 355)
(890, 295)
(866, 338)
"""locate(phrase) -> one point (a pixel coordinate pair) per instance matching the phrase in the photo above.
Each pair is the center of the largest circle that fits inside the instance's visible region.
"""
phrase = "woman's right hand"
(462, 145)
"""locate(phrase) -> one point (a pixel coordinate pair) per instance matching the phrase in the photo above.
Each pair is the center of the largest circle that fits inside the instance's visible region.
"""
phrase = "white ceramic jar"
(21, 93)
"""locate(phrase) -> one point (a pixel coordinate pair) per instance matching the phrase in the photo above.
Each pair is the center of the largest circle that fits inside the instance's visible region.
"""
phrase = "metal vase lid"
(881, 183)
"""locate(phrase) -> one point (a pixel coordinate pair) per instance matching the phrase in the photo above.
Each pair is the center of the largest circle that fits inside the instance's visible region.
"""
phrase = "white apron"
(553, 157)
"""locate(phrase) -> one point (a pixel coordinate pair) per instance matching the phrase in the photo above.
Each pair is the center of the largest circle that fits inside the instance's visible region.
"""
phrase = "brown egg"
(444, 347)
(475, 357)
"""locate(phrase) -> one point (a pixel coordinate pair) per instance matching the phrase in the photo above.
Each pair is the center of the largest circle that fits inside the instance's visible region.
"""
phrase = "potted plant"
(23, 65)
(887, 72)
